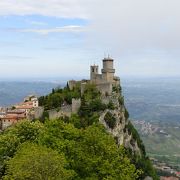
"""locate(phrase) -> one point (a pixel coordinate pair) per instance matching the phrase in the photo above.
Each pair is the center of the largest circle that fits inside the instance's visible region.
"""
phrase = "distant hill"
(13, 92)
(153, 99)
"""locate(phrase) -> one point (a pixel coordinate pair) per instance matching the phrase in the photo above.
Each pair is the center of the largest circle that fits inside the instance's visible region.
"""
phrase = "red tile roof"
(24, 107)
(14, 117)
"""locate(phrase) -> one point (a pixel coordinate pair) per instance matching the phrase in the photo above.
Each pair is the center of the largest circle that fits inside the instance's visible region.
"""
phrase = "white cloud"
(58, 8)
(38, 23)
(70, 28)
(115, 24)
(136, 24)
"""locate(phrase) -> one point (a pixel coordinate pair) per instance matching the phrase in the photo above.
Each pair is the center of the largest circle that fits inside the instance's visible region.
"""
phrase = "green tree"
(96, 156)
(53, 91)
(26, 130)
(14, 136)
(8, 147)
(59, 96)
(59, 136)
(35, 162)
(91, 152)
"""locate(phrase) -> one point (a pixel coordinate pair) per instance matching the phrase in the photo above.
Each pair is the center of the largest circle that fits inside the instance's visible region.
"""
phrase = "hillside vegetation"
(76, 147)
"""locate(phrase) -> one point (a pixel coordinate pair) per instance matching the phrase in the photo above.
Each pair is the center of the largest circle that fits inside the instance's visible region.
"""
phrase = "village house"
(18, 112)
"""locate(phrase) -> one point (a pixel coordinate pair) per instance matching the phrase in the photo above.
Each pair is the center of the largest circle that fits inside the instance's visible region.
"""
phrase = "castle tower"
(108, 70)
(93, 72)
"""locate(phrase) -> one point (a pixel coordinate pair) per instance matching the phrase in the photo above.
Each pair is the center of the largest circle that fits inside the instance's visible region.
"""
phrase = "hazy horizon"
(67, 78)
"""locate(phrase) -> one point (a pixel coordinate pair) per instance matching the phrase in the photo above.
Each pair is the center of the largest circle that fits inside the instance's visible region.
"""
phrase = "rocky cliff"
(115, 119)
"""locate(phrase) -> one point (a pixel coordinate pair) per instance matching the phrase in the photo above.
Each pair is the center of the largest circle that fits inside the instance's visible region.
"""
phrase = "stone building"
(31, 100)
(104, 81)
(11, 117)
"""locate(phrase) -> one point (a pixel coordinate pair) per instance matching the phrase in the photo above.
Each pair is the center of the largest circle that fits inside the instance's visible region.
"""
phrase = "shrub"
(121, 100)
(126, 114)
(111, 105)
(110, 120)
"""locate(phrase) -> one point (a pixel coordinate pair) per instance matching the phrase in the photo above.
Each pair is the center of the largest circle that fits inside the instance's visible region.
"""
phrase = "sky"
(62, 38)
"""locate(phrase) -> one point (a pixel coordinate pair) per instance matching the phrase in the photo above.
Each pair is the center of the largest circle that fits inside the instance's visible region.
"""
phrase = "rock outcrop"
(118, 128)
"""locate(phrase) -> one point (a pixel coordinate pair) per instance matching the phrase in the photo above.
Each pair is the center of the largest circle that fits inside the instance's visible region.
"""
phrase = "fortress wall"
(53, 114)
(83, 86)
(38, 112)
(99, 78)
(76, 104)
(71, 84)
(67, 108)
(65, 111)
(105, 88)
(109, 77)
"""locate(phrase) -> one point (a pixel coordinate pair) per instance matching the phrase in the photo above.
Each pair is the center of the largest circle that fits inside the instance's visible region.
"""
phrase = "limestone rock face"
(119, 129)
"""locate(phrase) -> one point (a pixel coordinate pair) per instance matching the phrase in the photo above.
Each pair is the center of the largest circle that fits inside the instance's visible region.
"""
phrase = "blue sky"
(60, 38)
(30, 45)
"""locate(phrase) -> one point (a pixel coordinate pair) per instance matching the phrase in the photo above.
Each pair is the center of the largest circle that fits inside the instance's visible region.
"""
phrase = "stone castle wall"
(38, 112)
(76, 104)
(97, 79)
(64, 111)
(72, 84)
(105, 88)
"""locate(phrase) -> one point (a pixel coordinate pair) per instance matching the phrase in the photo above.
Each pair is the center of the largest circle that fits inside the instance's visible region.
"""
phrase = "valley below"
(162, 141)
(154, 106)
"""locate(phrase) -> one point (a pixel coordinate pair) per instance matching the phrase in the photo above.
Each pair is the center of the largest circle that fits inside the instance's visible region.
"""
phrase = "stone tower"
(93, 72)
(108, 70)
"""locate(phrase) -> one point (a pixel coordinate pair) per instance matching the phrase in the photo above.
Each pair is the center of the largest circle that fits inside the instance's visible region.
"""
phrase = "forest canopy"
(55, 150)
